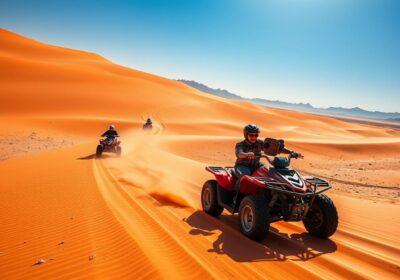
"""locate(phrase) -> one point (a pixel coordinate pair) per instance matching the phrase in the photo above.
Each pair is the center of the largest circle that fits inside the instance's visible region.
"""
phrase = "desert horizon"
(67, 214)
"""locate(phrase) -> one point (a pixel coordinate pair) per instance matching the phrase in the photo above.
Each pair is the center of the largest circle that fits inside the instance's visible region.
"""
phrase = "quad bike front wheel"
(254, 214)
(322, 217)
(209, 200)
(99, 150)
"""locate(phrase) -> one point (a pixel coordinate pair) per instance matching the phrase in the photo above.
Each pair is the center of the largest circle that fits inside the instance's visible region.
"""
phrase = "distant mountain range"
(303, 107)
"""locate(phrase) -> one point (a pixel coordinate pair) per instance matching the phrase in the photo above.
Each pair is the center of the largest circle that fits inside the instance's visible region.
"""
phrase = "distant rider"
(148, 123)
(110, 134)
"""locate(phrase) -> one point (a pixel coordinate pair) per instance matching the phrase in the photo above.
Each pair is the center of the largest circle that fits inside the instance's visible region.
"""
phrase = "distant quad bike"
(109, 144)
(147, 126)
(271, 194)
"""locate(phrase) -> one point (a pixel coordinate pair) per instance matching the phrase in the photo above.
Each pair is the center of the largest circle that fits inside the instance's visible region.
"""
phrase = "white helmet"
(112, 127)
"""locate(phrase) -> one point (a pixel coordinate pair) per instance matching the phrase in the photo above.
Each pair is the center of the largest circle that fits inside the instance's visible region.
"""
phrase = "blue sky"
(325, 52)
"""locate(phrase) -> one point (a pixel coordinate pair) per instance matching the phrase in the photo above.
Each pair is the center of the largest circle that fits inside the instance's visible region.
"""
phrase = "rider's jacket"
(110, 133)
(245, 147)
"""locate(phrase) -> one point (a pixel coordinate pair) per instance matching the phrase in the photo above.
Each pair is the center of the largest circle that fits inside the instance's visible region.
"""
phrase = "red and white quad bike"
(271, 194)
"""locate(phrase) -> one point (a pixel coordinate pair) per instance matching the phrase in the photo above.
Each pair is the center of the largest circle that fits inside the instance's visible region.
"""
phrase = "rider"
(247, 151)
(248, 154)
(148, 122)
(111, 133)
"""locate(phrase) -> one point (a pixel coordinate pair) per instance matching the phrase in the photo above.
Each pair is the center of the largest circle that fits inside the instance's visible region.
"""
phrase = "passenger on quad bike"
(148, 124)
(110, 134)
(248, 154)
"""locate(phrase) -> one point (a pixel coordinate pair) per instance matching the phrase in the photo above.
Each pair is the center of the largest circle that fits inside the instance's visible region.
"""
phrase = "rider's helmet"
(250, 128)
(112, 127)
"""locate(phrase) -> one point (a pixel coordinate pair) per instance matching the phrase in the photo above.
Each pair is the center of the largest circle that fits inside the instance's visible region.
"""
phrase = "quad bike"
(109, 144)
(271, 194)
(147, 126)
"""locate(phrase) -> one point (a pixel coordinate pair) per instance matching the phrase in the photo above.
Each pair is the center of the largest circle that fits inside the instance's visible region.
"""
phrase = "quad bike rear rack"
(214, 169)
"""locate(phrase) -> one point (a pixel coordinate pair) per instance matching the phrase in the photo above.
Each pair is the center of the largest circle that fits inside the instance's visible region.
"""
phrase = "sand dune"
(138, 216)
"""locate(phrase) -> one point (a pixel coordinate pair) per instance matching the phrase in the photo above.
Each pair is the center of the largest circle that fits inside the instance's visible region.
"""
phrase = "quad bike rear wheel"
(99, 150)
(322, 218)
(253, 214)
(209, 200)
(119, 151)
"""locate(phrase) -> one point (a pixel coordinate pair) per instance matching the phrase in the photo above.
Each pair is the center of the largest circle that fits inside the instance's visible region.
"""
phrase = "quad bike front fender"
(250, 186)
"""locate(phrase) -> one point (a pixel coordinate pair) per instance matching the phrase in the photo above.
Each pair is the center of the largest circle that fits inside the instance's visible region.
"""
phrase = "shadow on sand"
(277, 246)
(87, 157)
(93, 156)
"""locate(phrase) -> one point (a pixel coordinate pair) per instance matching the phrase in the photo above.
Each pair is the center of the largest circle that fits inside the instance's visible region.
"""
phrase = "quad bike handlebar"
(272, 162)
(291, 155)
(296, 155)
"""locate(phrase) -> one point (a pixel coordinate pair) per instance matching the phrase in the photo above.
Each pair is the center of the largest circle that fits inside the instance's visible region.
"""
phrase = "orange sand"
(138, 216)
